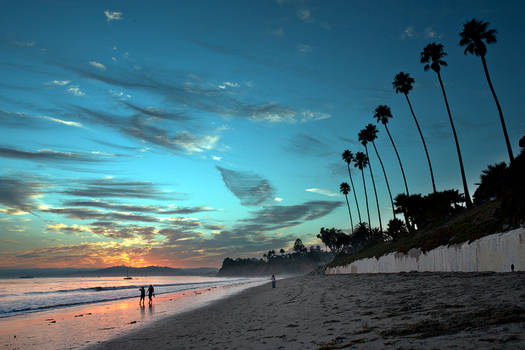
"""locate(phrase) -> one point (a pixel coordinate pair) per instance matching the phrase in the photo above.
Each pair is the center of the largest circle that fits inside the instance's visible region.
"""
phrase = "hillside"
(468, 225)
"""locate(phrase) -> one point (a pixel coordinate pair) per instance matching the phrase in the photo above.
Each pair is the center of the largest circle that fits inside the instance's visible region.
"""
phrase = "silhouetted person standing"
(142, 296)
(511, 267)
(150, 293)
(273, 281)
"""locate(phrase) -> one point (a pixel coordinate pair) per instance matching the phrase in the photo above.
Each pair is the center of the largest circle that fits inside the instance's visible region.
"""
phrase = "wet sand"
(79, 326)
(378, 311)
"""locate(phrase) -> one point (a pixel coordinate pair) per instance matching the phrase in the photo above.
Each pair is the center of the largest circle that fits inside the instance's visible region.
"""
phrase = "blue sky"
(179, 133)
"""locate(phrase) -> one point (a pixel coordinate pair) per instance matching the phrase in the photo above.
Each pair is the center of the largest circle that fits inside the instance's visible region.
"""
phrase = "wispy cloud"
(113, 15)
(322, 191)
(158, 112)
(114, 145)
(186, 210)
(59, 82)
(280, 216)
(75, 90)
(85, 254)
(17, 194)
(304, 15)
(408, 33)
(430, 33)
(15, 119)
(201, 97)
(100, 188)
(120, 94)
(230, 84)
(278, 199)
(97, 65)
(250, 188)
(67, 228)
(25, 43)
(90, 214)
(138, 208)
(141, 128)
(113, 206)
(412, 33)
(48, 155)
(23, 120)
(304, 48)
(123, 232)
(64, 122)
(303, 144)
(307, 115)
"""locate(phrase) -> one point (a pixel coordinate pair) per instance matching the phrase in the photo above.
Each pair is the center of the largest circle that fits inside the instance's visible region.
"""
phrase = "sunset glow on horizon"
(155, 133)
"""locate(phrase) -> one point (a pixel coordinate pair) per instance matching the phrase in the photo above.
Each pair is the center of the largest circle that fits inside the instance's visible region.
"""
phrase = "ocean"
(28, 295)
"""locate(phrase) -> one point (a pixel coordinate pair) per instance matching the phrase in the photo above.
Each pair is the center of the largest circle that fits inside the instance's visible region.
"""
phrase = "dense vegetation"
(301, 260)
(498, 205)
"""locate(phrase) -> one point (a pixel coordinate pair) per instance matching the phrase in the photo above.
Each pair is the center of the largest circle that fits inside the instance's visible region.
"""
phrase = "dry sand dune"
(397, 311)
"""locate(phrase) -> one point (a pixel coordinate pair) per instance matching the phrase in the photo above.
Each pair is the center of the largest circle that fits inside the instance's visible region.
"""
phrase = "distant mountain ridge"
(109, 271)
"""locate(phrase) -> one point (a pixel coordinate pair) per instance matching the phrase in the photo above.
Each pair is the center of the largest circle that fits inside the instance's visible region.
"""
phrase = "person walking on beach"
(150, 293)
(273, 281)
(142, 295)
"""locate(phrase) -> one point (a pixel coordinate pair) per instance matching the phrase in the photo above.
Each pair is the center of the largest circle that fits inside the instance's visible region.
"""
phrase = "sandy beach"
(78, 326)
(397, 311)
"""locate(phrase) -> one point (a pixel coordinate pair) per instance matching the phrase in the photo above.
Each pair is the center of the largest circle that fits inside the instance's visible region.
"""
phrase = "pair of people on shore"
(151, 294)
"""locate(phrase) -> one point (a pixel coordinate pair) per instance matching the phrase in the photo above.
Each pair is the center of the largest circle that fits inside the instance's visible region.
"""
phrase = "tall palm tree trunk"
(398, 159)
(366, 199)
(350, 214)
(509, 149)
(468, 201)
(386, 179)
(353, 191)
(424, 144)
(375, 191)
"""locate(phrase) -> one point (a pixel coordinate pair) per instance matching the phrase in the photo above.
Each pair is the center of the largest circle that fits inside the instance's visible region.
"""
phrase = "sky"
(179, 133)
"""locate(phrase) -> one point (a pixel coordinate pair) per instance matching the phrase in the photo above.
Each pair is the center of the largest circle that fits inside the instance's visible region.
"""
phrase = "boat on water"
(127, 275)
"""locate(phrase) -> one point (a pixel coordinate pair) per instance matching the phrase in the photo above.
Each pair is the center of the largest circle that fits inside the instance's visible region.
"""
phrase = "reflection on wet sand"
(79, 326)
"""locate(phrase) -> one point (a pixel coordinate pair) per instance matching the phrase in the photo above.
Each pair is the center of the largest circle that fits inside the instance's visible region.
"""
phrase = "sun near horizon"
(138, 134)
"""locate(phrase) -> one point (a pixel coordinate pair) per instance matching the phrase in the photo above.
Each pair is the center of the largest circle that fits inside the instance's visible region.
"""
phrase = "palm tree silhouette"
(382, 113)
(473, 36)
(348, 157)
(371, 135)
(360, 161)
(403, 84)
(432, 56)
(344, 188)
(363, 138)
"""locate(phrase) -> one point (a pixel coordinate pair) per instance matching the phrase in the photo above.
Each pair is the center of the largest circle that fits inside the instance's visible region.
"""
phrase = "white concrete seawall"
(490, 253)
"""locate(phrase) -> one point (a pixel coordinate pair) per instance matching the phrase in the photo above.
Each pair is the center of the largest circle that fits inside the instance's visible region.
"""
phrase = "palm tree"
(345, 188)
(360, 162)
(348, 157)
(473, 36)
(363, 138)
(382, 113)
(403, 84)
(432, 56)
(371, 134)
